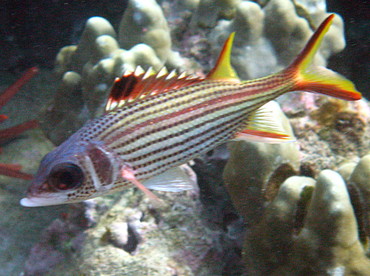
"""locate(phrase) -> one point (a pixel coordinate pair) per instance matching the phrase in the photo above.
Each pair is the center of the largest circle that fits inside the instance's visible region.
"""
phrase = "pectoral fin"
(177, 179)
(128, 174)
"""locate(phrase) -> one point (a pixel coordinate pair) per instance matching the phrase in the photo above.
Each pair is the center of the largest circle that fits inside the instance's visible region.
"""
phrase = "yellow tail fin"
(320, 79)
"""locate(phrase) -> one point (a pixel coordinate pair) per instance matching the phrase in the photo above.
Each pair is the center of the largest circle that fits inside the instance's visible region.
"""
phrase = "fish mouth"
(42, 201)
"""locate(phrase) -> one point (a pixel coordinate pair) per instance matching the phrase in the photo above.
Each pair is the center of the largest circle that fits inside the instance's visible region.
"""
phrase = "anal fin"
(264, 126)
(177, 179)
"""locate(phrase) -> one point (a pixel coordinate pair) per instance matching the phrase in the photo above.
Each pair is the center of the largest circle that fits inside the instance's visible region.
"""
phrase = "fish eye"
(65, 176)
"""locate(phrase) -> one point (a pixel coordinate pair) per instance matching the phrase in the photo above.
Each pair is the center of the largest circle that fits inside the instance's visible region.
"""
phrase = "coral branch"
(15, 87)
(3, 118)
(9, 133)
(13, 170)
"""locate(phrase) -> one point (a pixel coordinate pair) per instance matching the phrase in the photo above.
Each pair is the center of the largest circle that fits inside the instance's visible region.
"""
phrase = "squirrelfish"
(156, 122)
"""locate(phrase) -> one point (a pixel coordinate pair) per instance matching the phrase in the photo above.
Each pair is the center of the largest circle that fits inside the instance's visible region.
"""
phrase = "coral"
(264, 44)
(360, 177)
(341, 123)
(298, 226)
(304, 234)
(98, 59)
(144, 22)
(57, 122)
(86, 89)
(14, 170)
(208, 12)
(74, 57)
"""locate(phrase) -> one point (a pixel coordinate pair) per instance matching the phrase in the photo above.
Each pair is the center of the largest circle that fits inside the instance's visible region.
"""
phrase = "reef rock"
(125, 235)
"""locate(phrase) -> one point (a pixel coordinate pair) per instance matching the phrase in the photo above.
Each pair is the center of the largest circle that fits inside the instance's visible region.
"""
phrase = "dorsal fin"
(140, 84)
(223, 69)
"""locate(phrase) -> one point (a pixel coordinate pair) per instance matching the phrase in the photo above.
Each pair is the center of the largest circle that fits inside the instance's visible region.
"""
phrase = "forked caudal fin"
(319, 79)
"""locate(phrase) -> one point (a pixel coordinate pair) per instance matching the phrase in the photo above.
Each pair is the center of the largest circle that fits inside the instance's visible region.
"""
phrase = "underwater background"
(261, 209)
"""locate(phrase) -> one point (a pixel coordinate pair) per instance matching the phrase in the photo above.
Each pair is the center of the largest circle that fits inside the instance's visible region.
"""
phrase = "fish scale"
(156, 122)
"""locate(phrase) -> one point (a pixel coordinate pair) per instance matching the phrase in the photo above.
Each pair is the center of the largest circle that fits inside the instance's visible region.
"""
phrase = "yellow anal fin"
(251, 135)
(263, 126)
(223, 69)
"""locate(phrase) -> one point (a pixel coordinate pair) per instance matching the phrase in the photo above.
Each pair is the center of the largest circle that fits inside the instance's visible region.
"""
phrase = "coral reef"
(299, 225)
(360, 178)
(273, 187)
(129, 237)
(208, 12)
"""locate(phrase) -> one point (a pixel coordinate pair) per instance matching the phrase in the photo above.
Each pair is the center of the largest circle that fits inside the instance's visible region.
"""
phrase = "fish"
(155, 122)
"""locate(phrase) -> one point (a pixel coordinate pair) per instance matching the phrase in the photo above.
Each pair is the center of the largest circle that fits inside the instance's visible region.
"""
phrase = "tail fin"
(320, 79)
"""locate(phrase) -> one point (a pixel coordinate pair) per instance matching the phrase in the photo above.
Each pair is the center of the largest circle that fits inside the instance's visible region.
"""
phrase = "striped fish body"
(155, 123)
(170, 129)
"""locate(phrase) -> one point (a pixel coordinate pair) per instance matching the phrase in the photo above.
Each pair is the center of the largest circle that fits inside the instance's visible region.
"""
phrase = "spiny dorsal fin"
(223, 69)
(140, 84)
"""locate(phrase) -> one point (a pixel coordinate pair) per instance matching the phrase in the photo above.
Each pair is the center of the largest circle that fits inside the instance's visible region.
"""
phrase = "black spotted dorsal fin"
(141, 84)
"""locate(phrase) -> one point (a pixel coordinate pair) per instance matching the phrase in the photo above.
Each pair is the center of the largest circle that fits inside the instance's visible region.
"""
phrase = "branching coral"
(14, 170)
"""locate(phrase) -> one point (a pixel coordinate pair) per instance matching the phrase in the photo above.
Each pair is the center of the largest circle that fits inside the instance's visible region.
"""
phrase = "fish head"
(71, 173)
